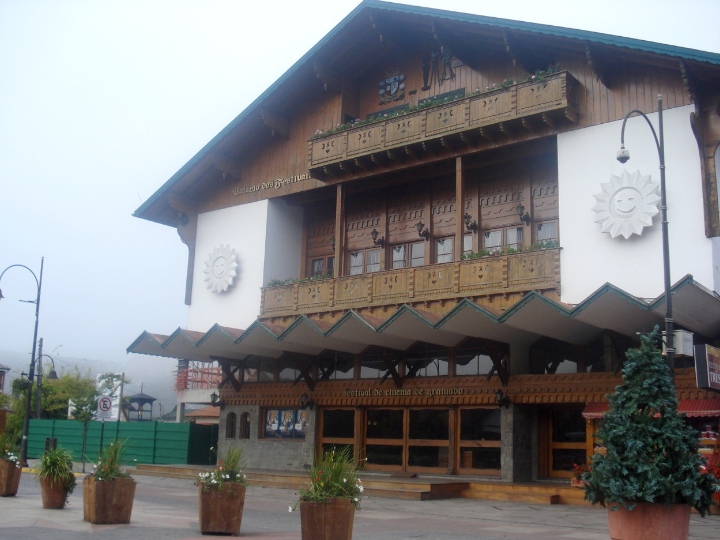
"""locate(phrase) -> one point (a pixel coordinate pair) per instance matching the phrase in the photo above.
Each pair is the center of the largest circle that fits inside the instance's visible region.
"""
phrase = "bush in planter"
(109, 492)
(57, 481)
(222, 494)
(10, 466)
(651, 454)
(328, 504)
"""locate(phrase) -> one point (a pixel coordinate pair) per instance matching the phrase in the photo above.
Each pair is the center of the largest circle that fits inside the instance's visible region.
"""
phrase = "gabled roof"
(354, 43)
(609, 308)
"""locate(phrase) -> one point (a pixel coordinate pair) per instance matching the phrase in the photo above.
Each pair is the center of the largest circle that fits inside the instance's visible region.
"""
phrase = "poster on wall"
(285, 423)
(707, 367)
(271, 423)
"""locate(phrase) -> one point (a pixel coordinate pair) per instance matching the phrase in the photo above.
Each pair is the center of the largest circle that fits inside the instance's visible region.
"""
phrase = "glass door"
(405, 440)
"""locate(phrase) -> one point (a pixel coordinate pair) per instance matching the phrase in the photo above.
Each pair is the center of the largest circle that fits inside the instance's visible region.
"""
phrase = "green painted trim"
(555, 31)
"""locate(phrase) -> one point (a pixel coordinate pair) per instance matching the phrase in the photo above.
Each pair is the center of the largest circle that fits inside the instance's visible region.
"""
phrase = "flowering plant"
(108, 465)
(333, 476)
(579, 470)
(9, 450)
(227, 470)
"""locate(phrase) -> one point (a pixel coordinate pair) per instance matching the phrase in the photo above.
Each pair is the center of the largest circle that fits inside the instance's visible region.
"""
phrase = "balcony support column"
(459, 208)
(340, 231)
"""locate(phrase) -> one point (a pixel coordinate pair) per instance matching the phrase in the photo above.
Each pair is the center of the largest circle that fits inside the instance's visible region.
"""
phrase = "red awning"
(693, 408)
(596, 409)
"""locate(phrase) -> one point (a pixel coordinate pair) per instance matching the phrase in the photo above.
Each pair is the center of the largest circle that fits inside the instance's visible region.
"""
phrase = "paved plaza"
(167, 508)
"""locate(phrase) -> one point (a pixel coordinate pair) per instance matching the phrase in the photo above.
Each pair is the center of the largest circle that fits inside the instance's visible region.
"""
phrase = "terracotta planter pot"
(108, 501)
(221, 511)
(9, 478)
(53, 494)
(577, 482)
(650, 522)
(332, 520)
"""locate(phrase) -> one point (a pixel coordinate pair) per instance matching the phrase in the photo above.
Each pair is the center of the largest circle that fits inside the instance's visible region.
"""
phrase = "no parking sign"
(104, 409)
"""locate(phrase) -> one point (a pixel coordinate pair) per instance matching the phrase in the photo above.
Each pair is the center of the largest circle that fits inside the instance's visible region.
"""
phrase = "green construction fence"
(147, 442)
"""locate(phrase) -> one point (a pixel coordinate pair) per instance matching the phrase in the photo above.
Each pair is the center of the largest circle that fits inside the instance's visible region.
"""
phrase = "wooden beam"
(598, 66)
(229, 368)
(278, 126)
(229, 167)
(331, 81)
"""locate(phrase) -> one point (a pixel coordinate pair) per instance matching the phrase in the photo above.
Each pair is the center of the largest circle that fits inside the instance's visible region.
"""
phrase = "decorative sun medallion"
(220, 269)
(627, 204)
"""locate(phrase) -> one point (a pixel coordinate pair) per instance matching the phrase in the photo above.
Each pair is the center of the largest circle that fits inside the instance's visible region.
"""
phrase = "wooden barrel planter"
(331, 520)
(9, 478)
(108, 501)
(221, 511)
(54, 494)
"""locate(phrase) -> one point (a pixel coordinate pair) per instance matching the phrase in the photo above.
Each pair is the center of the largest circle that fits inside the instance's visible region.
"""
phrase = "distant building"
(418, 243)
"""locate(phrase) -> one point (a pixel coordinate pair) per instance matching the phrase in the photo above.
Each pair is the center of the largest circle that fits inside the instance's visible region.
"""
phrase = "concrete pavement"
(167, 508)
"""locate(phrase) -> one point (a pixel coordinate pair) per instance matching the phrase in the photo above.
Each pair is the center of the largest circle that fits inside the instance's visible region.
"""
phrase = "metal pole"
(38, 396)
(623, 156)
(669, 327)
(31, 375)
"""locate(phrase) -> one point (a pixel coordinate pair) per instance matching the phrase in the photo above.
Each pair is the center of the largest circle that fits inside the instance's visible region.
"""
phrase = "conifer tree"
(652, 454)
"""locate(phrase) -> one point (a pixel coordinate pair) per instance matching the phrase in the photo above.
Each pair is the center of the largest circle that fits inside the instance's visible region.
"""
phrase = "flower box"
(331, 520)
(221, 511)
(108, 501)
(9, 477)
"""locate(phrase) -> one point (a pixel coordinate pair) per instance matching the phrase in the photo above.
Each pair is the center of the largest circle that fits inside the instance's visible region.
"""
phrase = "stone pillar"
(516, 451)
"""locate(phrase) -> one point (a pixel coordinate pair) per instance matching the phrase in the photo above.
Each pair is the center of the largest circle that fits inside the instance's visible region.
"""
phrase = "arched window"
(230, 425)
(244, 426)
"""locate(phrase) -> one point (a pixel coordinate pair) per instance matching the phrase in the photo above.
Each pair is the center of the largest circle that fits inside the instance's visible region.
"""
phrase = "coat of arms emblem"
(392, 88)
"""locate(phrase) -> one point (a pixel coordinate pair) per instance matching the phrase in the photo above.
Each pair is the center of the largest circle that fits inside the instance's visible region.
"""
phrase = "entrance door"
(407, 440)
(566, 440)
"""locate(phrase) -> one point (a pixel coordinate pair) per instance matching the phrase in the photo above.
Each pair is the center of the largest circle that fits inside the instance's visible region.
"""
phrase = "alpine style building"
(418, 243)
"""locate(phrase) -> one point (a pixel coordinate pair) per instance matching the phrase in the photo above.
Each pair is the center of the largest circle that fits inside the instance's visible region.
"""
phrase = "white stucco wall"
(283, 242)
(590, 258)
(267, 238)
(243, 228)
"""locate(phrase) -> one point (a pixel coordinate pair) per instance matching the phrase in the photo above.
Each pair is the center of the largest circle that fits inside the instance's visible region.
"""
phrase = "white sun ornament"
(626, 204)
(221, 269)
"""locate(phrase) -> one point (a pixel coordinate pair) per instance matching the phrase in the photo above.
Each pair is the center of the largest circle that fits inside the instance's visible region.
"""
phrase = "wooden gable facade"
(421, 148)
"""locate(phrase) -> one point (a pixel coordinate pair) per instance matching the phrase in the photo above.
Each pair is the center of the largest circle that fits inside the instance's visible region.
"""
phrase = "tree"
(652, 454)
(85, 404)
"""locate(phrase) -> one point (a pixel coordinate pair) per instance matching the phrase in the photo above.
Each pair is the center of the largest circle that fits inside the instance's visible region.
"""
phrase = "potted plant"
(650, 475)
(57, 480)
(327, 505)
(108, 492)
(10, 466)
(222, 494)
(578, 470)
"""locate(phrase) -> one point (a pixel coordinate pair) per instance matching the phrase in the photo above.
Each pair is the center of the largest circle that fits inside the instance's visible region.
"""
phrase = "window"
(364, 261)
(467, 244)
(322, 266)
(444, 250)
(507, 238)
(336, 366)
(408, 255)
(230, 425)
(425, 360)
(244, 426)
(547, 231)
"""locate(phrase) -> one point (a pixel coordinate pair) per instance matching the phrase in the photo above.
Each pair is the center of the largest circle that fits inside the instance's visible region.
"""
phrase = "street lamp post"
(51, 377)
(623, 156)
(31, 374)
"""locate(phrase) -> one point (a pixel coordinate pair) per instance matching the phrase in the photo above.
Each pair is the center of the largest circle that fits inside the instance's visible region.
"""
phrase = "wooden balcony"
(526, 105)
(495, 274)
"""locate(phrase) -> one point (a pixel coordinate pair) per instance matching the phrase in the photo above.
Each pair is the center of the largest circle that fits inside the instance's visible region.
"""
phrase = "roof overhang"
(609, 308)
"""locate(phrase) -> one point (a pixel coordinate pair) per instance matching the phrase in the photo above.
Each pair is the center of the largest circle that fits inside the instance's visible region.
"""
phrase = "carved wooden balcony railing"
(495, 274)
(477, 116)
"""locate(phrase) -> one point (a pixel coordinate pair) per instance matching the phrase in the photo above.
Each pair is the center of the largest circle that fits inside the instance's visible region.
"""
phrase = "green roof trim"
(556, 31)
